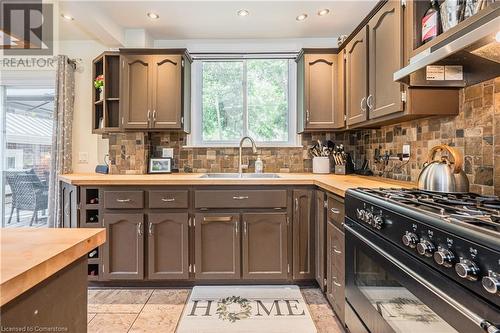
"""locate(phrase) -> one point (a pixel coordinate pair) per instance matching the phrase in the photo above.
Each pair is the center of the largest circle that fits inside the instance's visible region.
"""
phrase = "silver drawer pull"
(241, 197)
(123, 200)
(336, 283)
(335, 210)
(217, 219)
(336, 251)
(168, 199)
(150, 229)
(139, 229)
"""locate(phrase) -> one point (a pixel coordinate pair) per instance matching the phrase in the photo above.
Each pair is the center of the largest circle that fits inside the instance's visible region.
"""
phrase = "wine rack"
(90, 217)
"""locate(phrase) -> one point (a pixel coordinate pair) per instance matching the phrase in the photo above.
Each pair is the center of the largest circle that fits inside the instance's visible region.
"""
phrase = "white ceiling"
(214, 19)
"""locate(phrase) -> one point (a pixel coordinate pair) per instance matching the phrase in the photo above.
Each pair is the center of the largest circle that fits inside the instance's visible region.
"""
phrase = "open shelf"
(93, 271)
(92, 196)
(106, 111)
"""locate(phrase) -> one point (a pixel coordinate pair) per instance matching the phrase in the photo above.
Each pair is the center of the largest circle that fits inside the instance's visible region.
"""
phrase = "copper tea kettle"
(443, 175)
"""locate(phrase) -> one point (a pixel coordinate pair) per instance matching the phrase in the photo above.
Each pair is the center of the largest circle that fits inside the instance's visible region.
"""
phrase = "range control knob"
(467, 269)
(360, 213)
(444, 257)
(410, 240)
(368, 217)
(377, 222)
(425, 248)
(491, 283)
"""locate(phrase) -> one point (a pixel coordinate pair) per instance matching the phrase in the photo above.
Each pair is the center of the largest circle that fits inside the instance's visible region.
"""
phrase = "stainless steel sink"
(237, 175)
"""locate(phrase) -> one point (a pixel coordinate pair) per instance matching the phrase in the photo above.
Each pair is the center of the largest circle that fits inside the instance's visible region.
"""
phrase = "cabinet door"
(265, 254)
(217, 246)
(303, 235)
(168, 246)
(356, 78)
(136, 90)
(320, 91)
(335, 292)
(385, 58)
(167, 91)
(124, 248)
(320, 238)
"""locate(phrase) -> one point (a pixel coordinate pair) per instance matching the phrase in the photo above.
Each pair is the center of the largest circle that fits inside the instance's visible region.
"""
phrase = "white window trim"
(194, 138)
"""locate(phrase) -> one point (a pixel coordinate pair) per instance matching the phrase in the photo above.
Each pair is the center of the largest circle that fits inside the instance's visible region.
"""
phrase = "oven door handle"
(472, 316)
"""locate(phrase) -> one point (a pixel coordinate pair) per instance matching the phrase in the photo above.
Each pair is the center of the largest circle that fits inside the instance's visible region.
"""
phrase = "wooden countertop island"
(43, 276)
(337, 184)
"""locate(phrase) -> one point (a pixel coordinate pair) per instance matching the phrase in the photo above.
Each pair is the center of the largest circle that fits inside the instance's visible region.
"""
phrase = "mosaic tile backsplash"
(475, 132)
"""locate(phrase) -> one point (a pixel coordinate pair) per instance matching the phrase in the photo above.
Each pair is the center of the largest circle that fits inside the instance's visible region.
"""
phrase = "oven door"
(391, 291)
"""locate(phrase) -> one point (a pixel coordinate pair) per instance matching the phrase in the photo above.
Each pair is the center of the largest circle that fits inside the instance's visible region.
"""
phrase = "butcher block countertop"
(29, 256)
(337, 184)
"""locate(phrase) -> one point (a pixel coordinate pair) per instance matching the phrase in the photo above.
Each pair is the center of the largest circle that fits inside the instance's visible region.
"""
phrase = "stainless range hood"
(468, 52)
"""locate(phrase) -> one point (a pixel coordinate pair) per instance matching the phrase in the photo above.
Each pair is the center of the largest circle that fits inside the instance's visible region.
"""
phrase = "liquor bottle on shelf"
(93, 218)
(92, 253)
(431, 22)
(94, 201)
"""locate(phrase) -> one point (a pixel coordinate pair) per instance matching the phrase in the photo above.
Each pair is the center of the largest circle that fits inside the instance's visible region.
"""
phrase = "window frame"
(195, 138)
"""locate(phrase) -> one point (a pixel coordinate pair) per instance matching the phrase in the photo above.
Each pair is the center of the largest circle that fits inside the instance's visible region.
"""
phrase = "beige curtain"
(61, 137)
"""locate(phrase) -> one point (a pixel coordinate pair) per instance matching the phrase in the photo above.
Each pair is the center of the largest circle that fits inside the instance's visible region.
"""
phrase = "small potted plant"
(99, 85)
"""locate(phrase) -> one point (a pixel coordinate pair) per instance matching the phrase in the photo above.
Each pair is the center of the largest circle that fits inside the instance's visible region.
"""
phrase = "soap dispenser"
(259, 165)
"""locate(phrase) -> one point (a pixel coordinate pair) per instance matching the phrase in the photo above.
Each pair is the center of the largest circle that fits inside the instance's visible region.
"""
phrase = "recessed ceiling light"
(324, 12)
(243, 12)
(153, 16)
(67, 17)
(301, 17)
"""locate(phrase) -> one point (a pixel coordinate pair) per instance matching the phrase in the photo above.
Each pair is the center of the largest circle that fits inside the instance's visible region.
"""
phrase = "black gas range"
(422, 261)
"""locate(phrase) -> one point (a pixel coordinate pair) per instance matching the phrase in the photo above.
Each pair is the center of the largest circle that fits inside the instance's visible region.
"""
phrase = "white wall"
(83, 139)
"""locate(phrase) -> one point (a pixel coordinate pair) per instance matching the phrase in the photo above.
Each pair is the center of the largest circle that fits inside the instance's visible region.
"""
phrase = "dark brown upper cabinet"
(385, 33)
(168, 246)
(217, 246)
(123, 257)
(318, 91)
(356, 83)
(156, 89)
(303, 235)
(265, 254)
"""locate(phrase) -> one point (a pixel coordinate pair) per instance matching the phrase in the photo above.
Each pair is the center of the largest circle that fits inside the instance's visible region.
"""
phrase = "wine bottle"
(431, 22)
(92, 253)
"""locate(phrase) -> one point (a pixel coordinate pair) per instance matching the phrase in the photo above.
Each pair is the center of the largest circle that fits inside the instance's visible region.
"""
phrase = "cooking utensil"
(443, 175)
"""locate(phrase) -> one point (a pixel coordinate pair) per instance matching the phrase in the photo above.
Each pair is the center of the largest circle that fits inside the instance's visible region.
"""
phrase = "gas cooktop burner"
(475, 210)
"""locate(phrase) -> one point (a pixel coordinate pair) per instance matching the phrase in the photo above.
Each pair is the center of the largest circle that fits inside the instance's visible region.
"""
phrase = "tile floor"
(158, 310)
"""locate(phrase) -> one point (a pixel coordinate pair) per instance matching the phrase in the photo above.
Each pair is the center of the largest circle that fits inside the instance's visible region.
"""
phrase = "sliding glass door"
(27, 111)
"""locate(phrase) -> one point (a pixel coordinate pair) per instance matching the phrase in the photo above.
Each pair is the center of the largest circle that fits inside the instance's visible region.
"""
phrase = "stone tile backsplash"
(475, 132)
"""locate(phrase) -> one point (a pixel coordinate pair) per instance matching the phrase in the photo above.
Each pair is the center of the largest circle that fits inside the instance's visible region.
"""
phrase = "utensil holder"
(321, 164)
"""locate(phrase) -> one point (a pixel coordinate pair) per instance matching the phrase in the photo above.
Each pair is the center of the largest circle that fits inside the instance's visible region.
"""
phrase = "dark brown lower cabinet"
(265, 254)
(123, 257)
(320, 238)
(303, 235)
(335, 290)
(217, 246)
(168, 246)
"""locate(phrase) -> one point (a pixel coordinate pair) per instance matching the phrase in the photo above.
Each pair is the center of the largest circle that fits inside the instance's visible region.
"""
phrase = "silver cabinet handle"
(154, 115)
(208, 219)
(336, 251)
(363, 100)
(236, 226)
(245, 227)
(123, 200)
(149, 116)
(150, 229)
(336, 283)
(241, 197)
(335, 210)
(139, 228)
(296, 204)
(368, 103)
(307, 116)
(472, 316)
(168, 199)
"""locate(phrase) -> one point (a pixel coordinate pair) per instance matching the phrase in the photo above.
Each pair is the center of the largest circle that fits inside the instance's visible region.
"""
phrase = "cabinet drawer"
(124, 199)
(240, 199)
(336, 211)
(338, 250)
(168, 199)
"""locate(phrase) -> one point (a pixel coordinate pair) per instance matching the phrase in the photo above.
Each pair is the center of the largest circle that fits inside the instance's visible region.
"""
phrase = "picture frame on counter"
(160, 165)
